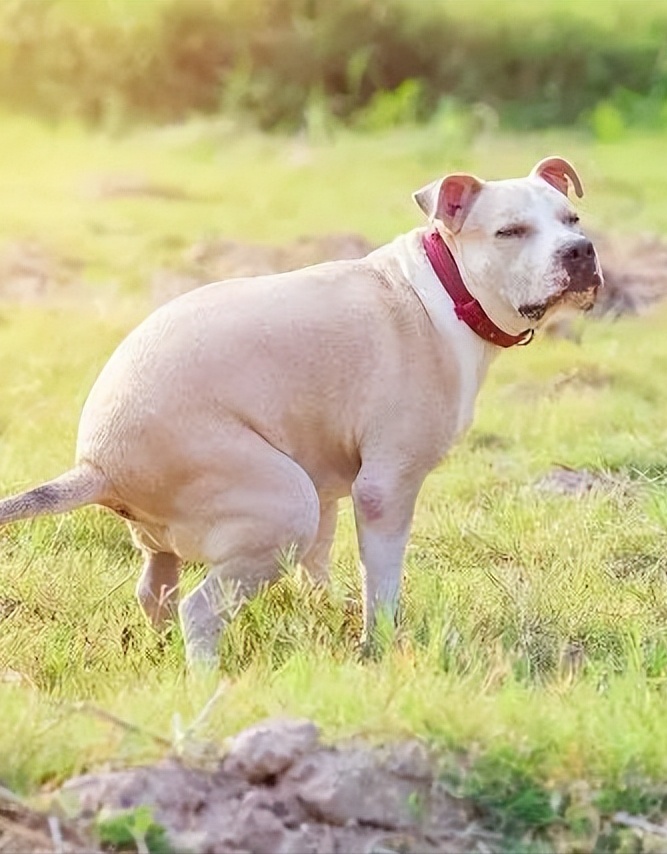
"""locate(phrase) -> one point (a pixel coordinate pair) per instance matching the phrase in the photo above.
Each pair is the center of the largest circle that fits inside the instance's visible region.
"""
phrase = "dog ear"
(556, 171)
(449, 200)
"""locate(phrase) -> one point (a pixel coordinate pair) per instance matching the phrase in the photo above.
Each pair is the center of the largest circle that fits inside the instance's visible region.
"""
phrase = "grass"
(533, 634)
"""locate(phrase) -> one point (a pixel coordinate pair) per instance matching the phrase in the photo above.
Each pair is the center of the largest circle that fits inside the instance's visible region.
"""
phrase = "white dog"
(227, 426)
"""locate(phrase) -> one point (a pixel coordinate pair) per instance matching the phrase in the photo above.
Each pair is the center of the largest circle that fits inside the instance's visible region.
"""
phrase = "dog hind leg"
(157, 588)
(272, 511)
(316, 560)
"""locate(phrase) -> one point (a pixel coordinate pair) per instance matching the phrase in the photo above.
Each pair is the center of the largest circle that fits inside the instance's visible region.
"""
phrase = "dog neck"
(466, 307)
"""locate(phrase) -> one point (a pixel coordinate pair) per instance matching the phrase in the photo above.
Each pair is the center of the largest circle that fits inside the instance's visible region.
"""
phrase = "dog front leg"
(383, 510)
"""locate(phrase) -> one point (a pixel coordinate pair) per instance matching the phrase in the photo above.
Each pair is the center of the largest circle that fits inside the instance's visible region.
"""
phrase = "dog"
(228, 425)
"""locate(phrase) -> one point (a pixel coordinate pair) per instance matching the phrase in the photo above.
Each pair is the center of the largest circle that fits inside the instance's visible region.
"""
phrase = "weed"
(132, 830)
(510, 800)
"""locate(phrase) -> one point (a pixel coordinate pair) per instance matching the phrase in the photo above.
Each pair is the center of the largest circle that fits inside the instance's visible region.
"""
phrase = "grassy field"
(533, 636)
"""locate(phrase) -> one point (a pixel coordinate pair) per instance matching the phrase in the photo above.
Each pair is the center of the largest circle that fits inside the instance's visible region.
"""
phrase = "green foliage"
(607, 122)
(388, 109)
(614, 117)
(132, 830)
(515, 799)
(389, 61)
(511, 801)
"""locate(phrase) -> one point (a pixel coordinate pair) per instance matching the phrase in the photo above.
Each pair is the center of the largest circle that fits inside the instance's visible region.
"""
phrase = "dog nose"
(580, 263)
(579, 251)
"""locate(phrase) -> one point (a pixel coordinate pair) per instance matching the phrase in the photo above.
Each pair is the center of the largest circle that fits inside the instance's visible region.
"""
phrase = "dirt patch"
(219, 259)
(635, 273)
(123, 186)
(279, 790)
(488, 441)
(29, 272)
(583, 378)
(27, 831)
(636, 564)
(562, 480)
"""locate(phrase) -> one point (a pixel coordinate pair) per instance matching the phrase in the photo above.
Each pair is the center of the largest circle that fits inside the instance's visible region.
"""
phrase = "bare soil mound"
(279, 790)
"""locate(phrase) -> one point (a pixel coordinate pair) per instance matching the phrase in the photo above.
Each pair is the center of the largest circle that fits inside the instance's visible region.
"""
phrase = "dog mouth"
(579, 291)
(536, 311)
(584, 300)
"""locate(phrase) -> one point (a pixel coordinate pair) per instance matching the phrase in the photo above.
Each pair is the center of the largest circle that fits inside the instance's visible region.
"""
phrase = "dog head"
(518, 243)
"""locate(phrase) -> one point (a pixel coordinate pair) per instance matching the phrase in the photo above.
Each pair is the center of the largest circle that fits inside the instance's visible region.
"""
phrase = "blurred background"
(145, 143)
(300, 64)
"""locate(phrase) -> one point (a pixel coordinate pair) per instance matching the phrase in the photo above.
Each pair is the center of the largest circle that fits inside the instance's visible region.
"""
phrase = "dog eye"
(572, 219)
(513, 231)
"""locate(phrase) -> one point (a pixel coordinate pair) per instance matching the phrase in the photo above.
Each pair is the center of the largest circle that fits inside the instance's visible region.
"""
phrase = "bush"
(535, 64)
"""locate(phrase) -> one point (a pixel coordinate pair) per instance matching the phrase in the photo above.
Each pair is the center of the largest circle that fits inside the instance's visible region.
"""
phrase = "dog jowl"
(229, 424)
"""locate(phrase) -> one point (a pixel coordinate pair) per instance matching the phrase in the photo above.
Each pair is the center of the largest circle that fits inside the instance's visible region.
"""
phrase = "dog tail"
(84, 484)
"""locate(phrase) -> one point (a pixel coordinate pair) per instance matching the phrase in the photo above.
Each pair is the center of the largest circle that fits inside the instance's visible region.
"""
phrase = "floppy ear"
(449, 200)
(556, 171)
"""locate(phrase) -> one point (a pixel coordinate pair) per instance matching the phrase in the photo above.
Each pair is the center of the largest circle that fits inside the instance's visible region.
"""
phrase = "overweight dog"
(228, 425)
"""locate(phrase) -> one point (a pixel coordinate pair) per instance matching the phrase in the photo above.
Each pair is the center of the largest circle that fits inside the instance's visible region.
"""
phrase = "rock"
(410, 760)
(354, 787)
(268, 749)
(257, 827)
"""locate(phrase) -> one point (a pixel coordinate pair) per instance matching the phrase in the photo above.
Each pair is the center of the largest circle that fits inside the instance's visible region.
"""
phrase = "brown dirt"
(130, 186)
(24, 830)
(221, 258)
(279, 790)
(583, 378)
(635, 272)
(562, 480)
(29, 272)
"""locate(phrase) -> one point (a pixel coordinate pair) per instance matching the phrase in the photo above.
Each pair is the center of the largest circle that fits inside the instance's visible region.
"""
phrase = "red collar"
(465, 305)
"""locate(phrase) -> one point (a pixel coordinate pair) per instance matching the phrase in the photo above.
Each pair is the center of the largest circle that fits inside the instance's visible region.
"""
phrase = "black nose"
(579, 251)
(580, 263)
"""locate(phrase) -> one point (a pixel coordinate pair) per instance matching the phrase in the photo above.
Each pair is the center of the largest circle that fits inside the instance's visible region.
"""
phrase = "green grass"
(505, 587)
